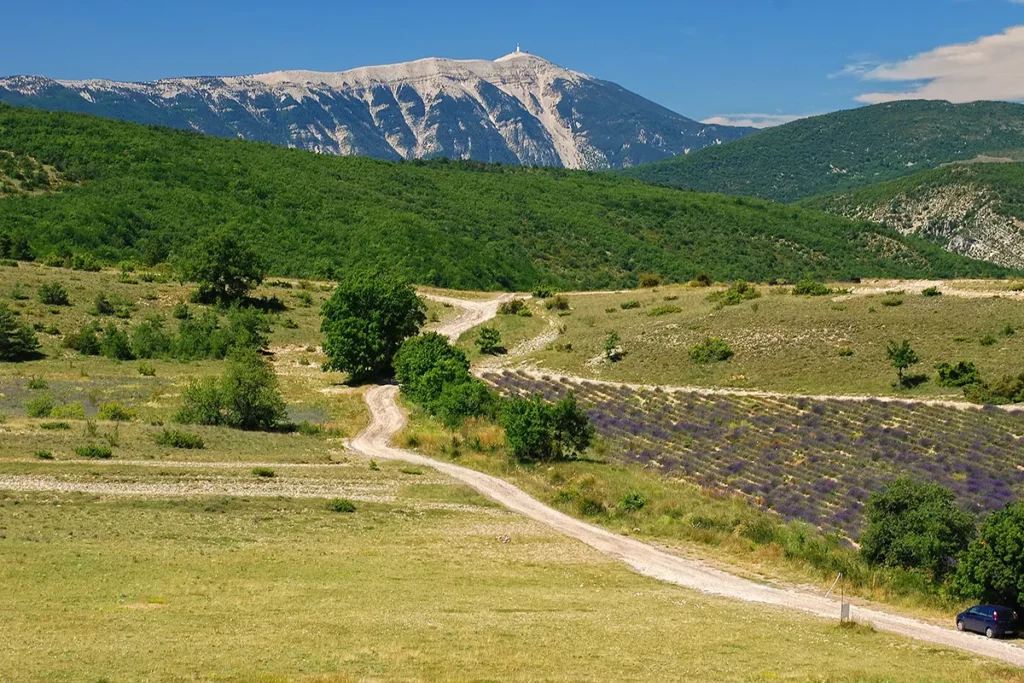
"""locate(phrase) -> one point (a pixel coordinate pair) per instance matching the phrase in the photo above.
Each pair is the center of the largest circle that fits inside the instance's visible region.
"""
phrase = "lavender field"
(811, 460)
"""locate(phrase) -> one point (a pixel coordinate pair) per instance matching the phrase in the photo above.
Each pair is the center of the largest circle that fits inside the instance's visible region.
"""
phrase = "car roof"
(1010, 609)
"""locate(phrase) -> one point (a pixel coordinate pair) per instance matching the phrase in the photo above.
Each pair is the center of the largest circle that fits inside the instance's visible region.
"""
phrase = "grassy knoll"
(228, 588)
(782, 342)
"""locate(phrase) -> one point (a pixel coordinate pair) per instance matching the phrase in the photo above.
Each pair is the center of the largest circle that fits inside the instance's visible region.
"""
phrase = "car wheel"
(989, 633)
(959, 626)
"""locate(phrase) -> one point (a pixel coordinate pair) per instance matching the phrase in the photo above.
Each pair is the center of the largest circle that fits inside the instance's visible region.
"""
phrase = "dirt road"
(473, 313)
(387, 419)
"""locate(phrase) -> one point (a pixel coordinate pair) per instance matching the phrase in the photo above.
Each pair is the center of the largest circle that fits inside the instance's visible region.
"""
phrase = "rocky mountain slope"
(519, 109)
(973, 209)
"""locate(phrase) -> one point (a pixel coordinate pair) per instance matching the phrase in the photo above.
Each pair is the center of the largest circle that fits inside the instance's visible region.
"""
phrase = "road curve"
(387, 419)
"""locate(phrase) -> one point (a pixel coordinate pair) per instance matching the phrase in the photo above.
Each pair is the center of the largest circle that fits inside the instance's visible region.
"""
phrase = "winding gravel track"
(387, 419)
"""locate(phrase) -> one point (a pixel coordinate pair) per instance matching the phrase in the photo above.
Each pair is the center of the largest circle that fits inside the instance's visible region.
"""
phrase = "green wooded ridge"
(128, 191)
(846, 150)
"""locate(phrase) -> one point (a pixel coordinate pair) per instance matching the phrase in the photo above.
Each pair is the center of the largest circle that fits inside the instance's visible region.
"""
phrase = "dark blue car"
(995, 621)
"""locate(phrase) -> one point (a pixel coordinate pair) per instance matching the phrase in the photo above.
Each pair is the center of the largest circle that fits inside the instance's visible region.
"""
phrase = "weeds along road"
(387, 419)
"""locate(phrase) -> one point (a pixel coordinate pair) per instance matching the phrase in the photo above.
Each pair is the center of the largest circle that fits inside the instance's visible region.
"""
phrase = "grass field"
(781, 342)
(227, 562)
(113, 587)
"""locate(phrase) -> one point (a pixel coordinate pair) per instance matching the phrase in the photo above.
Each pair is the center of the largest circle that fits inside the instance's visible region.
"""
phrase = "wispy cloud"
(989, 68)
(755, 120)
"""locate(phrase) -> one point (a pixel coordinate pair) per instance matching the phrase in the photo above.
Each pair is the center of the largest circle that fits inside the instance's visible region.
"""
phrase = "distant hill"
(975, 209)
(846, 150)
(519, 109)
(128, 191)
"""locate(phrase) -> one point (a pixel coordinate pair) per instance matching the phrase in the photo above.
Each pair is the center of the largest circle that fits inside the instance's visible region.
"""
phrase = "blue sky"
(702, 59)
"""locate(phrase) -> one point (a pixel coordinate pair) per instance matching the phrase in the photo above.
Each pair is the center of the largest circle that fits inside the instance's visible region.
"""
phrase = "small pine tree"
(17, 340)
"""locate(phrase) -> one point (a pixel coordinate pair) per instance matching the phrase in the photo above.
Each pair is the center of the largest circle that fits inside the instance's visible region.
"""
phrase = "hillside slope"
(846, 149)
(519, 109)
(132, 191)
(975, 209)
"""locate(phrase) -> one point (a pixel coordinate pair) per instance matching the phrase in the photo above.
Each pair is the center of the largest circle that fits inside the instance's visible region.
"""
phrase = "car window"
(975, 611)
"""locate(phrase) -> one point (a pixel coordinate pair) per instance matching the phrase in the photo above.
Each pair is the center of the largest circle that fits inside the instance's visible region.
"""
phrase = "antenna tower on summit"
(517, 48)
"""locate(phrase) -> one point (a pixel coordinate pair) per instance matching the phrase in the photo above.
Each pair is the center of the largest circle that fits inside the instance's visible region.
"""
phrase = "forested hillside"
(976, 209)
(134, 192)
(846, 149)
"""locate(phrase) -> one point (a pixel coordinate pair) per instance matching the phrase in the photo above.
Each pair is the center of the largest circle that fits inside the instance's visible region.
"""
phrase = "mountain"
(975, 209)
(846, 149)
(519, 109)
(124, 191)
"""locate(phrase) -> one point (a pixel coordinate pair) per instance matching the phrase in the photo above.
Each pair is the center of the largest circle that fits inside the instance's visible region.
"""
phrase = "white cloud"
(755, 120)
(989, 68)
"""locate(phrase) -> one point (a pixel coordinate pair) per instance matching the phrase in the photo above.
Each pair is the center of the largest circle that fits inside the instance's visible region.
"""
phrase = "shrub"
(465, 399)
(147, 370)
(627, 305)
(365, 322)
(648, 280)
(86, 341)
(341, 505)
(489, 341)
(44, 455)
(173, 438)
(634, 501)
(18, 341)
(36, 383)
(55, 426)
(95, 452)
(892, 300)
(612, 348)
(512, 307)
(959, 374)
(1007, 330)
(991, 569)
(181, 311)
(435, 375)
(536, 430)
(737, 293)
(263, 472)
(809, 287)
(40, 406)
(931, 291)
(845, 352)
(542, 292)
(54, 294)
(71, 411)
(114, 412)
(114, 343)
(915, 526)
(702, 280)
(148, 339)
(304, 298)
(102, 305)
(664, 310)
(557, 303)
(249, 393)
(988, 340)
(201, 403)
(711, 350)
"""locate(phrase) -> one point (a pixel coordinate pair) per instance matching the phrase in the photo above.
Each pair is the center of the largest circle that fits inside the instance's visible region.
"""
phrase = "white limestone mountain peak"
(519, 108)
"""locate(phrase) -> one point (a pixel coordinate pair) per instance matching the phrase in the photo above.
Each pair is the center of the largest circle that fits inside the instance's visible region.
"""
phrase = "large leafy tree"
(17, 340)
(915, 525)
(365, 322)
(992, 567)
(225, 267)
